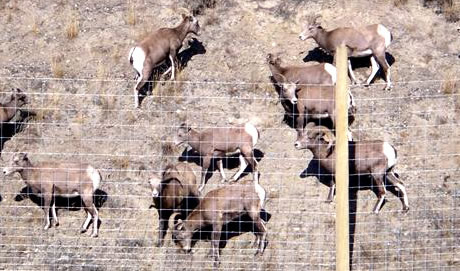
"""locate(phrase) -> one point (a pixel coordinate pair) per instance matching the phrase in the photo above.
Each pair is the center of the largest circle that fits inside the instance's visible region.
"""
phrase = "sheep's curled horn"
(313, 19)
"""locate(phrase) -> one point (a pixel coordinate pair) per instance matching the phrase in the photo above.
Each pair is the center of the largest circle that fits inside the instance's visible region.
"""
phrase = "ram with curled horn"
(374, 159)
(174, 193)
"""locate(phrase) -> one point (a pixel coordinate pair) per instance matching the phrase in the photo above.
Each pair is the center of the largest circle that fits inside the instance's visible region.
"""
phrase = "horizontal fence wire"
(93, 121)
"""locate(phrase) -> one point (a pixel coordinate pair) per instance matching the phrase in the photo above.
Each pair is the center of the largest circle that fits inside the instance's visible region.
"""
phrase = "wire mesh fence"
(94, 122)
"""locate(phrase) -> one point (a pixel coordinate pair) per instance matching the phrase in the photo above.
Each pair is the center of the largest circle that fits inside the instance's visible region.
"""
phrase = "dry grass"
(34, 28)
(56, 66)
(452, 12)
(399, 3)
(80, 118)
(72, 27)
(449, 85)
(130, 17)
(121, 162)
(167, 148)
(116, 54)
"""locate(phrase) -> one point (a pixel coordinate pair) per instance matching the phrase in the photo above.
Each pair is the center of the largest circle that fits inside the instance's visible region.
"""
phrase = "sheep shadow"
(229, 162)
(71, 204)
(234, 228)
(195, 47)
(9, 129)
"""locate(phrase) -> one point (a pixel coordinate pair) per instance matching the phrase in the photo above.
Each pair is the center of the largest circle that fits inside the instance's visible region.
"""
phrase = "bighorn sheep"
(375, 159)
(314, 102)
(218, 207)
(319, 74)
(156, 48)
(371, 40)
(219, 142)
(9, 109)
(52, 179)
(175, 191)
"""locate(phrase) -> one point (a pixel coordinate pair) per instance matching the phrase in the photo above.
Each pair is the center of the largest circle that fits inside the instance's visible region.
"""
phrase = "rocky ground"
(80, 89)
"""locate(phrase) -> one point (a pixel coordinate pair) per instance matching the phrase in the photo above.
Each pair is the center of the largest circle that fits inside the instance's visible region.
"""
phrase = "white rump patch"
(252, 131)
(94, 175)
(138, 56)
(390, 153)
(367, 52)
(329, 68)
(261, 193)
(385, 33)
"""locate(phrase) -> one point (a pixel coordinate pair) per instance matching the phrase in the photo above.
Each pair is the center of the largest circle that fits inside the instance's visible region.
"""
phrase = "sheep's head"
(288, 91)
(155, 185)
(18, 162)
(193, 24)
(182, 134)
(311, 29)
(182, 236)
(315, 136)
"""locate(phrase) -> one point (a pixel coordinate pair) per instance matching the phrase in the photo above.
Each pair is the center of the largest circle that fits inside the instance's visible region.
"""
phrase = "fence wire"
(93, 121)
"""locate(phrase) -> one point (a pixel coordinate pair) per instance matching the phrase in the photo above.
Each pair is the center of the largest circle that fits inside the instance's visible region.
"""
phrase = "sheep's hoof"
(83, 230)
(366, 84)
(47, 226)
(223, 180)
(159, 243)
(56, 224)
(94, 235)
(406, 209)
(388, 87)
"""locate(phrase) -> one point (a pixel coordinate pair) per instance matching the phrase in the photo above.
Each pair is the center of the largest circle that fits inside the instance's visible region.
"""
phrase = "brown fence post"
(341, 162)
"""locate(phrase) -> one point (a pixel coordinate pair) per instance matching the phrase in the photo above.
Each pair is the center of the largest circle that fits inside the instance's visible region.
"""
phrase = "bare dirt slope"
(80, 89)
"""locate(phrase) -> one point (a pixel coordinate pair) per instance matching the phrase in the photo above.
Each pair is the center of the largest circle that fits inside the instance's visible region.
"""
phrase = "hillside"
(70, 57)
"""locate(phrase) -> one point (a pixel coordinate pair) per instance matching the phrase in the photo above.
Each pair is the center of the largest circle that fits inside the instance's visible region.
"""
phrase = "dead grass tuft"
(449, 85)
(167, 148)
(72, 27)
(130, 17)
(399, 3)
(56, 66)
(211, 19)
(452, 12)
(121, 162)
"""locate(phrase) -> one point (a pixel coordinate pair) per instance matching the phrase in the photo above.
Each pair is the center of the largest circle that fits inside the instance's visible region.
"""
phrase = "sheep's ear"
(184, 16)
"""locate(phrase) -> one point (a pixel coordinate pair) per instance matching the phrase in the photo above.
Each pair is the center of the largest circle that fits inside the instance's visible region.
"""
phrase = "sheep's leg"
(375, 69)
(381, 191)
(240, 171)
(144, 76)
(163, 227)
(172, 66)
(53, 211)
(386, 69)
(330, 196)
(215, 241)
(85, 225)
(260, 230)
(401, 191)
(204, 169)
(46, 209)
(92, 212)
(221, 169)
(350, 72)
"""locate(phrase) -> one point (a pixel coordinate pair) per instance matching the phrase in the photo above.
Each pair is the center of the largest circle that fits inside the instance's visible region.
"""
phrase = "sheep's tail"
(130, 56)
(253, 132)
